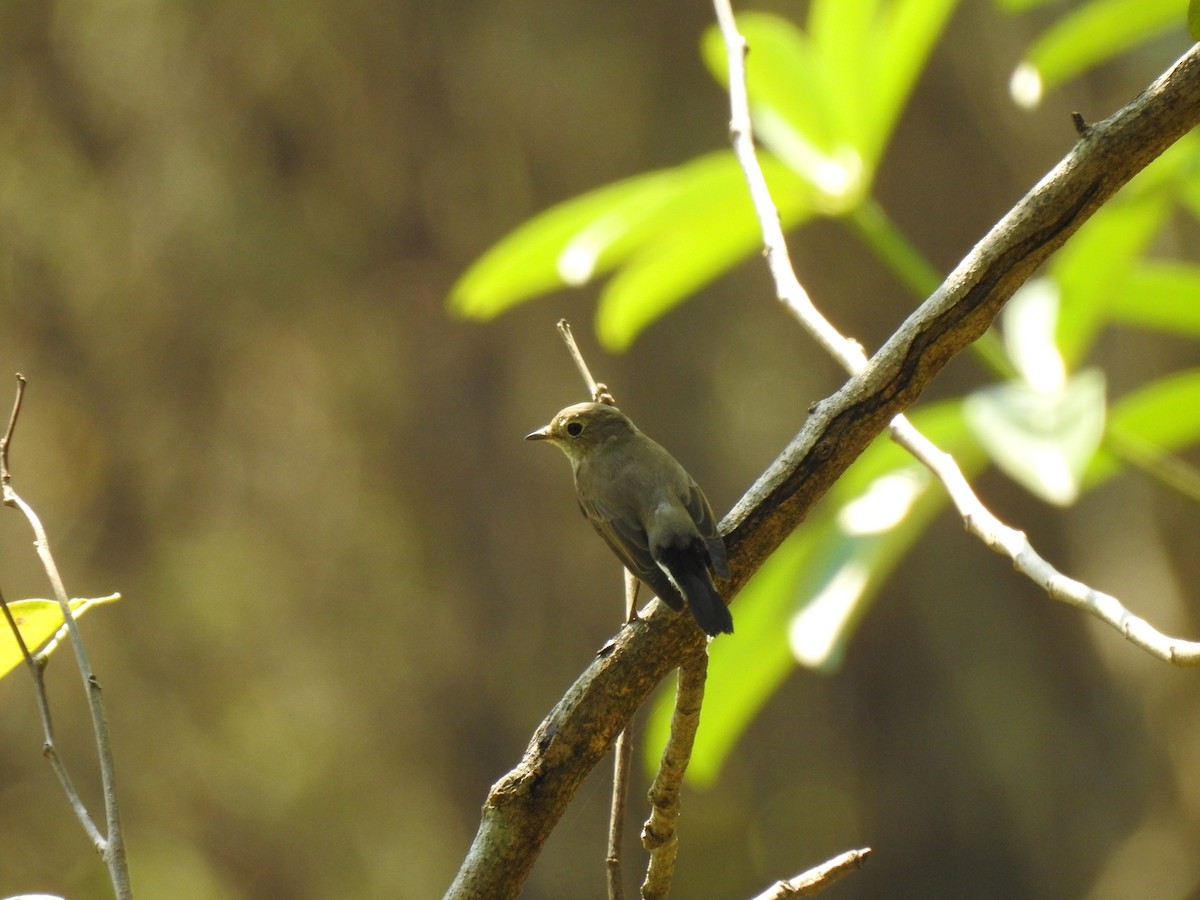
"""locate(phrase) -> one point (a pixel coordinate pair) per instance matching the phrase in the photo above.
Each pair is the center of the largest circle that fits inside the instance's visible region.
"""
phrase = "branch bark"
(523, 807)
(815, 880)
(659, 834)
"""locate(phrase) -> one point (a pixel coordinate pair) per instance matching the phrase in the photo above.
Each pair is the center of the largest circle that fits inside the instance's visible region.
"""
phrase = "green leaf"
(826, 101)
(530, 260)
(743, 674)
(1089, 35)
(842, 40)
(1193, 19)
(711, 232)
(1161, 295)
(807, 599)
(1161, 416)
(1093, 266)
(1043, 439)
(818, 102)
(795, 115)
(675, 230)
(782, 73)
(39, 622)
(902, 43)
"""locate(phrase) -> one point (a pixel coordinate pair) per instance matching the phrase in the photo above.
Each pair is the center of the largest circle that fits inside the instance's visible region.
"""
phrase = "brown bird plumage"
(646, 507)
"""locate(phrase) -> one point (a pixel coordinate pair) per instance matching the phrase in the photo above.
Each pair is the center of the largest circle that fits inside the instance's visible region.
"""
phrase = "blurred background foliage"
(350, 592)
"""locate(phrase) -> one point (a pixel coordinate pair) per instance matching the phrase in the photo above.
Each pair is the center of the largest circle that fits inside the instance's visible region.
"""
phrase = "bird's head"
(580, 429)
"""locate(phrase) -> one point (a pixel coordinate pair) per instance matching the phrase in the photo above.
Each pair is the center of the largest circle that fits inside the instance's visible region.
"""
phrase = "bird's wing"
(706, 523)
(631, 545)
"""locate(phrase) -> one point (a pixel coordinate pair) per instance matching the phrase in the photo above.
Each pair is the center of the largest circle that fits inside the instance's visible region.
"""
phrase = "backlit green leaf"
(901, 45)
(39, 621)
(1094, 33)
(536, 257)
(1160, 416)
(1161, 295)
(1093, 266)
(708, 236)
(1043, 439)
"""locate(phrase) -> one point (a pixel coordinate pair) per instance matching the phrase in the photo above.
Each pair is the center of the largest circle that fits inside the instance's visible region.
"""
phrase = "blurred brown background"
(351, 592)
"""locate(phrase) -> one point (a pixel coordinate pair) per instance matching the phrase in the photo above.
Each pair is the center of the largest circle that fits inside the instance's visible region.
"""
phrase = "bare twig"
(523, 807)
(659, 834)
(597, 389)
(979, 520)
(12, 423)
(37, 670)
(1015, 545)
(816, 879)
(112, 846)
(622, 759)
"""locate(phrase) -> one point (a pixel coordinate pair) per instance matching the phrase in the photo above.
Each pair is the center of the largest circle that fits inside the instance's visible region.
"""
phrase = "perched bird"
(646, 507)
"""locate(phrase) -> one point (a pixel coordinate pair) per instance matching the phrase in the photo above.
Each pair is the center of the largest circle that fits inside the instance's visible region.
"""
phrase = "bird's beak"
(542, 434)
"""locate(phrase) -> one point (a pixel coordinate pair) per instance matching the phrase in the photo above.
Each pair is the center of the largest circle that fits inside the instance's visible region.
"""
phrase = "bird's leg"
(631, 592)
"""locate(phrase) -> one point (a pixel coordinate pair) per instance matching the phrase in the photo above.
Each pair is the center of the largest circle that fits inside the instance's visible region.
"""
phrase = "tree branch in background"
(658, 834)
(979, 520)
(111, 846)
(816, 879)
(623, 753)
(37, 670)
(524, 806)
(622, 760)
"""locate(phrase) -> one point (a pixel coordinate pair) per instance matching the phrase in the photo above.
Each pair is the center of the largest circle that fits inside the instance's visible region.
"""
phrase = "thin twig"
(818, 878)
(788, 288)
(1014, 544)
(979, 520)
(112, 847)
(596, 389)
(622, 760)
(37, 670)
(659, 834)
(12, 423)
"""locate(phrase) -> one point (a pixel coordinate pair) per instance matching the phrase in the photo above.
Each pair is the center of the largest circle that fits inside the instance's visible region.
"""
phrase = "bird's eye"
(574, 429)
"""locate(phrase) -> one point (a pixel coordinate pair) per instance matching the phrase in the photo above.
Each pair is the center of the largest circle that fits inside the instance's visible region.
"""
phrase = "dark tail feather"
(708, 609)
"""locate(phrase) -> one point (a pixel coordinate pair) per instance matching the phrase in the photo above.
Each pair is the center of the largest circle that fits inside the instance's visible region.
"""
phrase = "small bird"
(646, 507)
